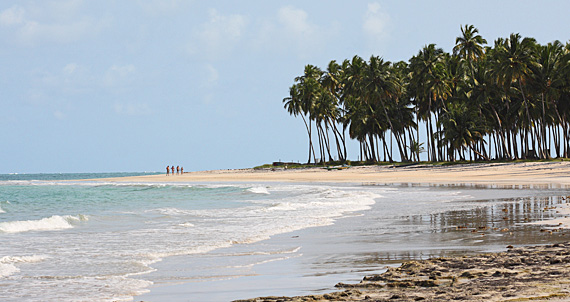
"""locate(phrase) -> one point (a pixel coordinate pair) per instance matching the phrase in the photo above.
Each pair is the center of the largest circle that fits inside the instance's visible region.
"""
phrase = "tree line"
(507, 101)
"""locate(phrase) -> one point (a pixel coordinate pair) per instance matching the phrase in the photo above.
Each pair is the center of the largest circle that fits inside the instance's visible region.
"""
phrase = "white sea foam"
(1, 210)
(249, 265)
(258, 190)
(7, 269)
(52, 223)
(171, 211)
(8, 263)
(153, 257)
(265, 253)
(23, 259)
(159, 228)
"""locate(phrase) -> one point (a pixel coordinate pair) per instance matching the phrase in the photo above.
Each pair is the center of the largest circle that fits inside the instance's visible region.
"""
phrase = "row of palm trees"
(506, 101)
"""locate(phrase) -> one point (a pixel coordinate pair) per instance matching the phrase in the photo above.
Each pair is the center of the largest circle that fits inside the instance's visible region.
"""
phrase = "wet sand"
(450, 275)
(537, 273)
(357, 246)
(513, 267)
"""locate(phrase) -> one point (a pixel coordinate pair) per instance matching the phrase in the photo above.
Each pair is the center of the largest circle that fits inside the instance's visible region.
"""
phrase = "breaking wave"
(52, 223)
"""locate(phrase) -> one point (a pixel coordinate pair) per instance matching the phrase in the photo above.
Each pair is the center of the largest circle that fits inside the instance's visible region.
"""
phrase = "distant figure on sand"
(167, 170)
(177, 169)
(181, 170)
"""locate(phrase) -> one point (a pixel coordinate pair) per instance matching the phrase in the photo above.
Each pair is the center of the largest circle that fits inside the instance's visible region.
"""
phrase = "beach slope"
(494, 174)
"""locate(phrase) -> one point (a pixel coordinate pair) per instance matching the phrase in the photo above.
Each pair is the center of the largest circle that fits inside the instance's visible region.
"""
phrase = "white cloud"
(295, 21)
(375, 22)
(12, 16)
(33, 31)
(70, 68)
(211, 76)
(292, 30)
(122, 71)
(71, 78)
(158, 7)
(220, 34)
(52, 21)
(59, 9)
(118, 74)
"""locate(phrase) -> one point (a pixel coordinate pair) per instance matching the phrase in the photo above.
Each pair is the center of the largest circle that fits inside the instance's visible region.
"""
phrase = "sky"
(135, 85)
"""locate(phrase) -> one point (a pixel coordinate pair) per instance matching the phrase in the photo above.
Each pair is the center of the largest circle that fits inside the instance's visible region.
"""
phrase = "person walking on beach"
(181, 170)
(167, 170)
(177, 169)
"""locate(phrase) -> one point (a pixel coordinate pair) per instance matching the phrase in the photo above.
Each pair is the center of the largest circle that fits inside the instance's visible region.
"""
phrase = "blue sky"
(97, 86)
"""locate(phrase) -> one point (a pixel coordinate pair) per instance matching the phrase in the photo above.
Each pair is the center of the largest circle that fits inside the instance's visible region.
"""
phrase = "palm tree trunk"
(321, 147)
(327, 140)
(372, 150)
(565, 135)
(308, 126)
(477, 152)
(386, 148)
(428, 140)
(361, 153)
(544, 133)
(418, 129)
(376, 148)
(335, 128)
(392, 130)
(439, 145)
(430, 130)
(539, 142)
(510, 151)
(483, 150)
(501, 131)
(310, 141)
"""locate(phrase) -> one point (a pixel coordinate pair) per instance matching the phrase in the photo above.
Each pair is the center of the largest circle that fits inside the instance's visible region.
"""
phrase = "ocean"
(68, 240)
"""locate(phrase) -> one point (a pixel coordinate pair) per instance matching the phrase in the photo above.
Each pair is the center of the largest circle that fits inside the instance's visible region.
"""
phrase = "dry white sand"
(532, 173)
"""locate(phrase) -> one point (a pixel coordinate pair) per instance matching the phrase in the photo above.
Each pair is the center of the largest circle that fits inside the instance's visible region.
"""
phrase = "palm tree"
(380, 86)
(515, 93)
(462, 127)
(353, 96)
(427, 76)
(546, 79)
(514, 57)
(403, 107)
(331, 82)
(469, 46)
(563, 102)
(293, 104)
(486, 94)
(302, 98)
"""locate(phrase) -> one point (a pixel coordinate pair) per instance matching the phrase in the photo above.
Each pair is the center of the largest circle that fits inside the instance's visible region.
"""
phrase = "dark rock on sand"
(536, 273)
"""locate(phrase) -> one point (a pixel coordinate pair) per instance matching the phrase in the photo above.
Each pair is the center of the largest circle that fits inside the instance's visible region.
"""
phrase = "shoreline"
(550, 174)
(404, 287)
(528, 273)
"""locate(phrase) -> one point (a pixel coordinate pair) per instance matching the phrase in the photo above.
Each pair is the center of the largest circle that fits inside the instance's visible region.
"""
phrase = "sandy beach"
(507, 174)
(489, 277)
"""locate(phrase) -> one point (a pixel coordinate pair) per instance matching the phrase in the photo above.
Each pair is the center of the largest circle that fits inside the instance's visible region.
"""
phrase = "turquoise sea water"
(63, 240)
